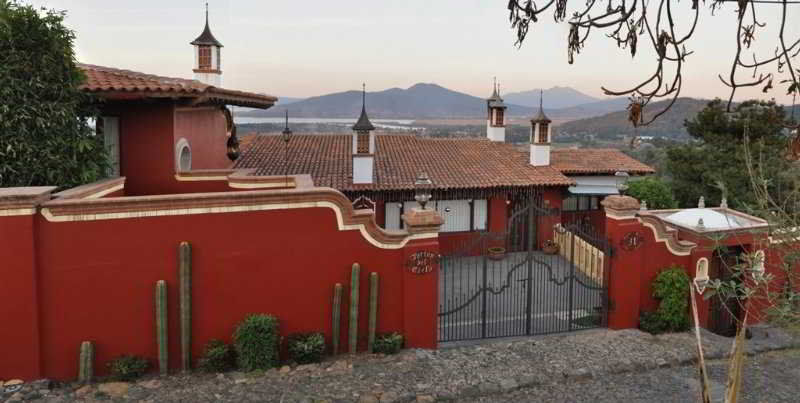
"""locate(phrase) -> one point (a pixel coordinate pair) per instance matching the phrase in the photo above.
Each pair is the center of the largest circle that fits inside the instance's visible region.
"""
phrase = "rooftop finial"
(363, 95)
(702, 202)
(206, 13)
(541, 96)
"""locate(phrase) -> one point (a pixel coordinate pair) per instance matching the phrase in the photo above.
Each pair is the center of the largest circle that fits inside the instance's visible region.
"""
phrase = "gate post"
(19, 304)
(624, 282)
(421, 278)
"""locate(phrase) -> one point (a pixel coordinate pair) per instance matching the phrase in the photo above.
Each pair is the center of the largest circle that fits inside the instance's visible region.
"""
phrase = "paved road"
(770, 377)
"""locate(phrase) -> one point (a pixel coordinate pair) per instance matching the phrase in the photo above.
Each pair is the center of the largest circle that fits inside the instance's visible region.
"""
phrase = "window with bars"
(543, 132)
(362, 143)
(498, 118)
(581, 203)
(459, 215)
(204, 57)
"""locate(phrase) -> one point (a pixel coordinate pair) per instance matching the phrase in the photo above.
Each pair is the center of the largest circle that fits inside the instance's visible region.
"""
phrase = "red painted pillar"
(421, 278)
(624, 282)
(19, 303)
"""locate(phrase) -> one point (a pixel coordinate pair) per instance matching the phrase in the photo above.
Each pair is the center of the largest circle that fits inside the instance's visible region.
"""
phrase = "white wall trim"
(236, 209)
(104, 192)
(17, 212)
(664, 240)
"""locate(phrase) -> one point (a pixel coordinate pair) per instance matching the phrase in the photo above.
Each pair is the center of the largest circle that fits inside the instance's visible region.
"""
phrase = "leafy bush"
(256, 342)
(671, 287)
(128, 367)
(654, 191)
(218, 357)
(651, 323)
(389, 343)
(305, 348)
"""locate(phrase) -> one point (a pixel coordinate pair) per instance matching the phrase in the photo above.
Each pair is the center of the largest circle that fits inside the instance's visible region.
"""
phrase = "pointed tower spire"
(495, 121)
(363, 124)
(541, 117)
(540, 136)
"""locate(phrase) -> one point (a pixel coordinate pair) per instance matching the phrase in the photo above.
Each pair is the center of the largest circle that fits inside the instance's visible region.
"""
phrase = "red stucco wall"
(206, 131)
(96, 281)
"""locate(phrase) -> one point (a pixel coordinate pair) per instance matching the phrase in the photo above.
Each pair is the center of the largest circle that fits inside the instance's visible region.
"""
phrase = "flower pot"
(496, 253)
(549, 248)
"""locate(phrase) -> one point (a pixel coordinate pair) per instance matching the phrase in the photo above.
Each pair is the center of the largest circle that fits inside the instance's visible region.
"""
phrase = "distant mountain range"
(432, 101)
(670, 124)
(553, 98)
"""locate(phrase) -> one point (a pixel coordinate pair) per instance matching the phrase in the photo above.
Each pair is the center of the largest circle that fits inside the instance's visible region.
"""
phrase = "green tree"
(714, 163)
(654, 191)
(45, 137)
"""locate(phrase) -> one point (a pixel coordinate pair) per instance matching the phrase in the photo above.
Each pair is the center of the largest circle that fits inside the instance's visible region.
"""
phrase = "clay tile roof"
(595, 161)
(112, 83)
(450, 163)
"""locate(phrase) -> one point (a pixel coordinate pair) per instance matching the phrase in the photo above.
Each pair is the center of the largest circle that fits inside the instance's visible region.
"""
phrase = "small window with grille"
(543, 132)
(362, 143)
(204, 57)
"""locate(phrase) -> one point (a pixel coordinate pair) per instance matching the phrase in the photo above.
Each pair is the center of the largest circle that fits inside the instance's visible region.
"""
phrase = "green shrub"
(128, 367)
(651, 323)
(256, 342)
(388, 343)
(671, 288)
(218, 357)
(305, 348)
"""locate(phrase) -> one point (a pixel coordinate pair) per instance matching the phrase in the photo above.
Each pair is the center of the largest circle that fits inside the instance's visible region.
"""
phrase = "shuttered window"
(480, 215)
(204, 57)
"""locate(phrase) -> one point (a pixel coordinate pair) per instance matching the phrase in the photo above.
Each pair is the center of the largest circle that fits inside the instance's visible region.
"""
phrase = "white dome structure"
(708, 219)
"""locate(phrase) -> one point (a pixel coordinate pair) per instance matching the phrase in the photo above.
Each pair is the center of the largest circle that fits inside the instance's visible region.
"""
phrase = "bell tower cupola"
(496, 121)
(207, 57)
(363, 145)
(540, 137)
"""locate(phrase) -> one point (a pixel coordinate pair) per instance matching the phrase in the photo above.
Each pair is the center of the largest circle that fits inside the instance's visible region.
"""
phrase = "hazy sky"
(305, 48)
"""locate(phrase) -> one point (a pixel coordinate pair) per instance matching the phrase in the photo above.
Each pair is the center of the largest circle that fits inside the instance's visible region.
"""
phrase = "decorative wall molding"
(93, 190)
(348, 219)
(21, 201)
(669, 236)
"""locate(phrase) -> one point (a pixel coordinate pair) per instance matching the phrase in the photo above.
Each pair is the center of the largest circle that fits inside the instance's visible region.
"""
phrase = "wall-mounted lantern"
(622, 181)
(422, 188)
(232, 144)
(758, 269)
(701, 279)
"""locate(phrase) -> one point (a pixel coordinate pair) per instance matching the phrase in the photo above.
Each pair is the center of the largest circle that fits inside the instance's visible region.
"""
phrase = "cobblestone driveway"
(596, 365)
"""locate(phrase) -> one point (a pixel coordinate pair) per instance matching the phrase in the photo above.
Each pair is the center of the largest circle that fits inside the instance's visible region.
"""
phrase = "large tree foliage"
(714, 164)
(654, 191)
(45, 138)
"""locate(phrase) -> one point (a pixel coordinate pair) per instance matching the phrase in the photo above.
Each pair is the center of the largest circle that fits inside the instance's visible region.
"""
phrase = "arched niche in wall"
(183, 156)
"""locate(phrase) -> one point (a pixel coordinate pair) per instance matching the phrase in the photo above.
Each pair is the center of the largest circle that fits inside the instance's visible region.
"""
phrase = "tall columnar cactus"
(353, 339)
(86, 362)
(373, 309)
(185, 267)
(161, 326)
(337, 316)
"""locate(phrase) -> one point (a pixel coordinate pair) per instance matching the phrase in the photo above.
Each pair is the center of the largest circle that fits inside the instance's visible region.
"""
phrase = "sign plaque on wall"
(422, 262)
(632, 240)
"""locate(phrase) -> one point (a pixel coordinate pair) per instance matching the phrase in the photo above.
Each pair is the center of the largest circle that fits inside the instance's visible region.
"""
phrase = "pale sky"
(305, 48)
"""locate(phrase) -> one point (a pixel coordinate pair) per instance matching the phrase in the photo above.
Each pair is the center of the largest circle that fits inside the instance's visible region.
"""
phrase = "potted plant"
(549, 247)
(497, 252)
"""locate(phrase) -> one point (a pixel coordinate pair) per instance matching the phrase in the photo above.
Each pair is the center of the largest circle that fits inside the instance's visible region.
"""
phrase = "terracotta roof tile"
(451, 163)
(111, 82)
(595, 161)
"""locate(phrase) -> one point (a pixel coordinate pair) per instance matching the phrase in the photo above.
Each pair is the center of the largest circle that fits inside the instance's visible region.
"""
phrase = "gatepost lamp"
(622, 181)
(422, 189)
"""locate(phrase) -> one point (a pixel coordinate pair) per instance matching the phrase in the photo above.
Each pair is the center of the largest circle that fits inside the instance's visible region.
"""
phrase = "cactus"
(161, 326)
(373, 309)
(353, 339)
(185, 267)
(86, 362)
(337, 316)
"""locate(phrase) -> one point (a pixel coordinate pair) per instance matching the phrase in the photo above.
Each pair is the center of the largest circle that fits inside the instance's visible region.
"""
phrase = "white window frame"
(180, 146)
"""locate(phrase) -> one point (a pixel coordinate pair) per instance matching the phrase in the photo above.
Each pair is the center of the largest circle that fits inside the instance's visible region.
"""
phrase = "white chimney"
(207, 57)
(363, 146)
(496, 121)
(541, 137)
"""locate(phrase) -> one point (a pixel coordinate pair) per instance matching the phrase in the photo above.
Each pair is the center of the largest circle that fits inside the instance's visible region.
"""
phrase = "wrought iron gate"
(503, 284)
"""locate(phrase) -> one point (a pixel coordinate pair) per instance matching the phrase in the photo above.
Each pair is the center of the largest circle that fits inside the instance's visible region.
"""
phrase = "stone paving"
(565, 367)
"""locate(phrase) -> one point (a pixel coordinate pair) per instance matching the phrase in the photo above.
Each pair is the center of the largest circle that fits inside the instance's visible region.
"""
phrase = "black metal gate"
(504, 284)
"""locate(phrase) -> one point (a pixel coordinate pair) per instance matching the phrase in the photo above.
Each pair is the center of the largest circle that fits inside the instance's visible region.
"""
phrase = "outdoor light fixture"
(422, 186)
(622, 181)
(758, 269)
(286, 135)
(233, 146)
(701, 275)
